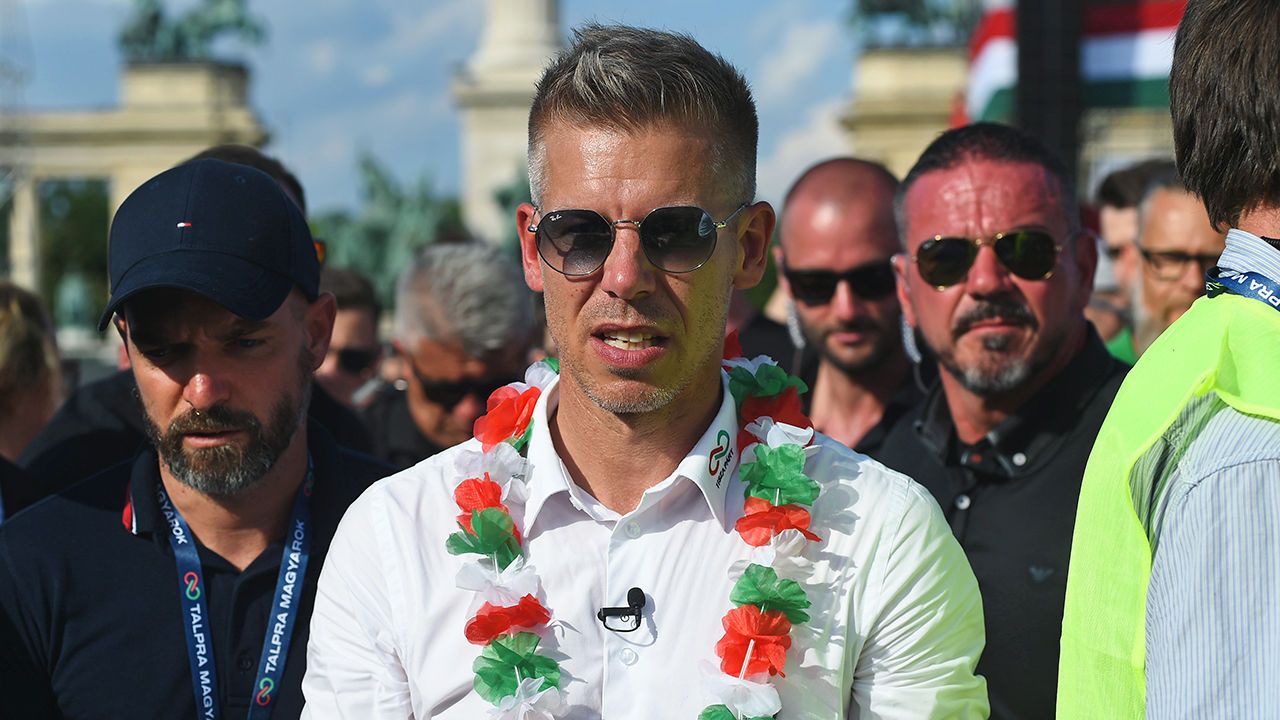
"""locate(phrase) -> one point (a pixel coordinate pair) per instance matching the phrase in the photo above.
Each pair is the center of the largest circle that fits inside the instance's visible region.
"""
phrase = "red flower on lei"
(478, 494)
(732, 346)
(508, 415)
(491, 621)
(783, 408)
(764, 521)
(771, 632)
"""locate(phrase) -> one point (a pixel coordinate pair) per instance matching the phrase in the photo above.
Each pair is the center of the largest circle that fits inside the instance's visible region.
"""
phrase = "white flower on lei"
(503, 588)
(750, 366)
(752, 697)
(530, 702)
(775, 434)
(504, 465)
(539, 375)
(784, 553)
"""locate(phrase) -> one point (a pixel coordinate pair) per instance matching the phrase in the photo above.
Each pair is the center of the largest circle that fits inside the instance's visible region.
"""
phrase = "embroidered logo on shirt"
(1040, 573)
(720, 457)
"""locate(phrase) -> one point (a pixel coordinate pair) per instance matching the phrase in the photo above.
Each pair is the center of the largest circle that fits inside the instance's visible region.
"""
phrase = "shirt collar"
(710, 465)
(1025, 439)
(1246, 251)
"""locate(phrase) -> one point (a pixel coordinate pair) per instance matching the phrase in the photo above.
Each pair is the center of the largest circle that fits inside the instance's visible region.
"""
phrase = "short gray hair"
(470, 293)
(629, 79)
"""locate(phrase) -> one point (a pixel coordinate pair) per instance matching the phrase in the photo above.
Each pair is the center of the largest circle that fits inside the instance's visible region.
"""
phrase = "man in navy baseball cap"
(186, 577)
(226, 231)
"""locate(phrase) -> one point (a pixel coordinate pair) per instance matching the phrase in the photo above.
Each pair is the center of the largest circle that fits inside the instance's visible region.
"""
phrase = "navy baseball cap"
(225, 231)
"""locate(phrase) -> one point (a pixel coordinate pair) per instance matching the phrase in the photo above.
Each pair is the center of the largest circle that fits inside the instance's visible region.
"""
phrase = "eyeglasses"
(1170, 265)
(945, 261)
(871, 281)
(355, 360)
(675, 239)
(447, 394)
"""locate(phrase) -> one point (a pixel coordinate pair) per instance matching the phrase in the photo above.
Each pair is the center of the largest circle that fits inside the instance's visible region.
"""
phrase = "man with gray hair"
(463, 328)
(606, 563)
(1177, 244)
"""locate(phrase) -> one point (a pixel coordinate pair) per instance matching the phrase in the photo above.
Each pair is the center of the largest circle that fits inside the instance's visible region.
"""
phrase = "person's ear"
(530, 261)
(318, 325)
(754, 234)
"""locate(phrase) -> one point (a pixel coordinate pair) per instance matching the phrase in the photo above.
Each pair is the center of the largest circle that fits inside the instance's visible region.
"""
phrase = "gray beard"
(991, 379)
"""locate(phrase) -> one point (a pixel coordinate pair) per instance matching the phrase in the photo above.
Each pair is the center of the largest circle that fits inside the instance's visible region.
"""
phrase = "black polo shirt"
(1011, 502)
(91, 624)
(102, 425)
(397, 440)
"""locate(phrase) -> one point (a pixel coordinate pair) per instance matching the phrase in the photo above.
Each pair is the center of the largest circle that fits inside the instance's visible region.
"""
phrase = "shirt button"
(633, 529)
(962, 502)
(244, 661)
(628, 656)
(1019, 459)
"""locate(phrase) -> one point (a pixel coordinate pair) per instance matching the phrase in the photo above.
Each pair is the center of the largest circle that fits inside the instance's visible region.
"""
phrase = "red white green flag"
(1126, 52)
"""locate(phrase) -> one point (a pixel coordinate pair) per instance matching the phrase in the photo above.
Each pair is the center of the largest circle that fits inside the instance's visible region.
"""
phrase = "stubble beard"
(882, 346)
(228, 470)
(648, 398)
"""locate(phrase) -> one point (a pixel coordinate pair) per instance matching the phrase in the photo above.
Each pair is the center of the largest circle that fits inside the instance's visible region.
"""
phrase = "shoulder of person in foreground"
(1215, 576)
(924, 632)
(352, 656)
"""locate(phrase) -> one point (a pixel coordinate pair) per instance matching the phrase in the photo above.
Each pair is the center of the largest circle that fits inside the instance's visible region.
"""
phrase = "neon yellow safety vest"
(1225, 345)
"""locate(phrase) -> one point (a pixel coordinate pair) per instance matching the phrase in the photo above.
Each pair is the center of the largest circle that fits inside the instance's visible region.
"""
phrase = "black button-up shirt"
(397, 440)
(1011, 502)
(91, 624)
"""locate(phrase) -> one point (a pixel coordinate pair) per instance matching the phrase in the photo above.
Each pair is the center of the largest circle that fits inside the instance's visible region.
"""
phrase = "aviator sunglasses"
(872, 281)
(1028, 254)
(675, 239)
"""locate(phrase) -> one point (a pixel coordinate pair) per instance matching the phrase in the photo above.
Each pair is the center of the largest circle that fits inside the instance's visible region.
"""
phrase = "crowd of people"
(1010, 461)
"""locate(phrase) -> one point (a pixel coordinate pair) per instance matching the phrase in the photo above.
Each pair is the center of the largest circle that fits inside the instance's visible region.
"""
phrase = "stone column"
(24, 234)
(493, 92)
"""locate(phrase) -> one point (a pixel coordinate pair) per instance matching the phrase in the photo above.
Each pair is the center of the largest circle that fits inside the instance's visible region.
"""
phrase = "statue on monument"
(152, 36)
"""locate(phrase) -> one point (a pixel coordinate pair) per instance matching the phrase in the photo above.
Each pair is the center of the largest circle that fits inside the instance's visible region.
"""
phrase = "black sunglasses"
(447, 393)
(355, 360)
(872, 281)
(675, 239)
(945, 261)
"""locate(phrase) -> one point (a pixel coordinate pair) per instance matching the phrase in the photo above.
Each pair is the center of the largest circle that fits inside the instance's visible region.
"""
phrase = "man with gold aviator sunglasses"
(995, 277)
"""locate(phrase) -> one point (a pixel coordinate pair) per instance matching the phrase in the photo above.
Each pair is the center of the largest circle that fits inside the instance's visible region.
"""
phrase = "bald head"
(838, 202)
(838, 234)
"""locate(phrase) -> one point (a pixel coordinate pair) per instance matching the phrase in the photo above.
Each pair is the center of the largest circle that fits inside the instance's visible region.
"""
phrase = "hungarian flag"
(1126, 51)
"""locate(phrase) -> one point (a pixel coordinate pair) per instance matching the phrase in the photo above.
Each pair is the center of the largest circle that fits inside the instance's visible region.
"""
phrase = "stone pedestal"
(904, 97)
(1114, 138)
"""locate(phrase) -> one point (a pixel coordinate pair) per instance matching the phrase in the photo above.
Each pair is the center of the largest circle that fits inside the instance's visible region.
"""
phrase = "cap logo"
(184, 224)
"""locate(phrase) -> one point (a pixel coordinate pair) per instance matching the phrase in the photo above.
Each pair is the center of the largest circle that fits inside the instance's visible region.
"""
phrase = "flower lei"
(776, 438)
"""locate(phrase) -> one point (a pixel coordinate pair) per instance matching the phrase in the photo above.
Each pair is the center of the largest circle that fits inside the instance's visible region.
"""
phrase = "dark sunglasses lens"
(1029, 254)
(574, 242)
(872, 282)
(812, 287)
(943, 262)
(678, 239)
(355, 361)
(444, 394)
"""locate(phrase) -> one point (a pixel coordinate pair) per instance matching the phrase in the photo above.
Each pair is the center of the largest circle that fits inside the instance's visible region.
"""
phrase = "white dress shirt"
(895, 630)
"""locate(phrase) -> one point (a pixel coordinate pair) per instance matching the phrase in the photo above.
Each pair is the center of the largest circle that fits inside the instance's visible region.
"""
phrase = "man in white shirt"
(615, 571)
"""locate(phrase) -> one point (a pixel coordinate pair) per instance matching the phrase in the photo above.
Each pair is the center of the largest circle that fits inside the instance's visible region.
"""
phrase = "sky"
(337, 77)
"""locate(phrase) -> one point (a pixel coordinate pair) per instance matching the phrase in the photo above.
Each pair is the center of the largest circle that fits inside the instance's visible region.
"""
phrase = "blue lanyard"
(1245, 284)
(284, 609)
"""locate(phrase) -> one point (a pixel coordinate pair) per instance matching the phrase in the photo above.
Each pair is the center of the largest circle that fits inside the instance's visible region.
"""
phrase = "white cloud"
(417, 30)
(322, 57)
(376, 75)
(820, 137)
(805, 47)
